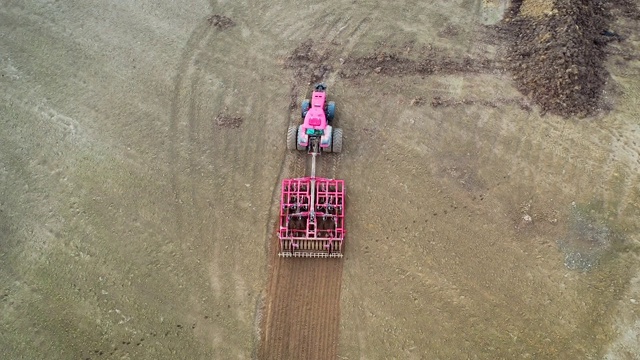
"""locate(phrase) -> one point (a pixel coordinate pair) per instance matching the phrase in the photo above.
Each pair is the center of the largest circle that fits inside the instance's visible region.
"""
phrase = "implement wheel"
(336, 141)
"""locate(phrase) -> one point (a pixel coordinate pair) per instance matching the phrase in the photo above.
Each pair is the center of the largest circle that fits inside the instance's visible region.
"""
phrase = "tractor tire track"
(193, 44)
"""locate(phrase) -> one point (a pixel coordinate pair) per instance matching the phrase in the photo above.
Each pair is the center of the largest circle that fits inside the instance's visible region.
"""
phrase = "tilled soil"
(438, 101)
(301, 315)
(430, 61)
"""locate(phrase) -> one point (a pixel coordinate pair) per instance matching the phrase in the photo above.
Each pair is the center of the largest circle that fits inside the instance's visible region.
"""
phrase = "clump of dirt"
(418, 101)
(528, 217)
(220, 21)
(391, 63)
(525, 220)
(557, 56)
(228, 122)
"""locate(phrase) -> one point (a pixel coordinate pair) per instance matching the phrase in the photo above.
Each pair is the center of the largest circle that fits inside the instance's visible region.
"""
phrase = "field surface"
(142, 145)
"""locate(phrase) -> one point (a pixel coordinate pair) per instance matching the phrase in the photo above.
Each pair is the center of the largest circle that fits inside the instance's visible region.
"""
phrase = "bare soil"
(142, 144)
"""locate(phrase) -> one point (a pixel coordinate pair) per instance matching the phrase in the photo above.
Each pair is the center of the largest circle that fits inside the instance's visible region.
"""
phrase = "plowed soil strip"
(302, 310)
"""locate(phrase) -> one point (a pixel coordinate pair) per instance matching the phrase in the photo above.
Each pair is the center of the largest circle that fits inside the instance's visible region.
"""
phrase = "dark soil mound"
(228, 121)
(309, 65)
(431, 62)
(220, 21)
(558, 59)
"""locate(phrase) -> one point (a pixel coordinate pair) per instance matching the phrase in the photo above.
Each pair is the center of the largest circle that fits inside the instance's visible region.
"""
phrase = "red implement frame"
(312, 217)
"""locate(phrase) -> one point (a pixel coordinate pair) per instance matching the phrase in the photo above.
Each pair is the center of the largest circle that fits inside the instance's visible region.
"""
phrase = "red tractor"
(311, 208)
(318, 115)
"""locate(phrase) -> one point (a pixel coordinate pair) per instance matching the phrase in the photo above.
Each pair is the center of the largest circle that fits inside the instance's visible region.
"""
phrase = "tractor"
(318, 115)
(311, 220)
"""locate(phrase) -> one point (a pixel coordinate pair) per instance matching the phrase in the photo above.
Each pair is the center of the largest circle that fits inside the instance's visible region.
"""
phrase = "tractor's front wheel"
(306, 105)
(292, 138)
(336, 141)
(331, 110)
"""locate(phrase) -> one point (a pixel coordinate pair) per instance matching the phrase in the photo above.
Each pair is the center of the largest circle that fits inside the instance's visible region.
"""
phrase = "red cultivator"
(312, 208)
(312, 217)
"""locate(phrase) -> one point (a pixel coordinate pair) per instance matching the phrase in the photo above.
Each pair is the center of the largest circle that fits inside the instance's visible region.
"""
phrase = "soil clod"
(227, 121)
(221, 22)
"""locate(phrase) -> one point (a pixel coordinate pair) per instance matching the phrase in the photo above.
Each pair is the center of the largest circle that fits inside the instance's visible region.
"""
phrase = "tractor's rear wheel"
(300, 147)
(292, 138)
(306, 104)
(336, 141)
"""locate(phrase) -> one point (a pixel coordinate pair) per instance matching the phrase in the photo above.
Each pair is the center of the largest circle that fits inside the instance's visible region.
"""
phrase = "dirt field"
(142, 145)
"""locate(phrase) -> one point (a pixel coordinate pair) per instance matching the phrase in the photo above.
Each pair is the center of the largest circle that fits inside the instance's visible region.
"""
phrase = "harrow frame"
(311, 220)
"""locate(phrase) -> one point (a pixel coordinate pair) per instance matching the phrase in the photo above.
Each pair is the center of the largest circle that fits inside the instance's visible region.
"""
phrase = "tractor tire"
(292, 138)
(331, 110)
(336, 141)
(306, 104)
(300, 148)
